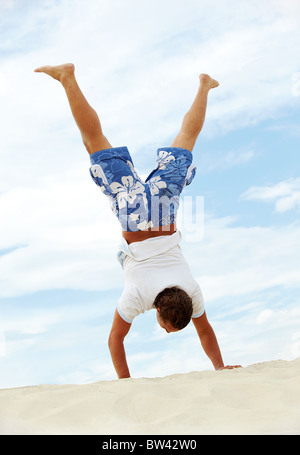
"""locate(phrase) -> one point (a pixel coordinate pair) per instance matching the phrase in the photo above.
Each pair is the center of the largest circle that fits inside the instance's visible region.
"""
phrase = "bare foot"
(58, 72)
(208, 81)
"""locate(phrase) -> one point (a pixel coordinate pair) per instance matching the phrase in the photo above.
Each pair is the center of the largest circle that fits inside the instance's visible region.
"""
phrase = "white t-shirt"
(151, 266)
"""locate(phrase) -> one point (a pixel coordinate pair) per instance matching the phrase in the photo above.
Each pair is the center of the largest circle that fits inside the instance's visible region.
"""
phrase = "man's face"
(165, 325)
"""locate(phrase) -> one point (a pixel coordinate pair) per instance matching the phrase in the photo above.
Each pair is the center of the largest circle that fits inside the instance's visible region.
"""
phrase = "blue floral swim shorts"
(142, 204)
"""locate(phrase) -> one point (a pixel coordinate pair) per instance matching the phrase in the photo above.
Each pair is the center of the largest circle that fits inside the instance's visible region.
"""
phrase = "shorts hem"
(114, 152)
(175, 151)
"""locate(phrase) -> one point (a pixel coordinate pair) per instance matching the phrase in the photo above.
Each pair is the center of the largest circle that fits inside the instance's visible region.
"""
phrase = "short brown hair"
(175, 307)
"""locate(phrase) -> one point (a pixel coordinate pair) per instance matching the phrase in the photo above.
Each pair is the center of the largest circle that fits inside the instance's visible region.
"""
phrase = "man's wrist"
(219, 366)
(124, 375)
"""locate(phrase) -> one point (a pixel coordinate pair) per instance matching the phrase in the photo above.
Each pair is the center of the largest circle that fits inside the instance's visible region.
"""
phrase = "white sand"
(260, 399)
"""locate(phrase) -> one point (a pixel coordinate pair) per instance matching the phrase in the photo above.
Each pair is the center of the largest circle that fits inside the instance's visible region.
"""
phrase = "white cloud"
(57, 232)
(264, 316)
(285, 194)
(225, 160)
(233, 261)
(7, 4)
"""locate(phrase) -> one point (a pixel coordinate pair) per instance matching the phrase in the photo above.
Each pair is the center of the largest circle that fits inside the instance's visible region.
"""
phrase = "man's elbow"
(114, 339)
(110, 341)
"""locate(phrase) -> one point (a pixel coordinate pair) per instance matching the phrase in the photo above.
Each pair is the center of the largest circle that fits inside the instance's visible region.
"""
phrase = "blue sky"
(138, 64)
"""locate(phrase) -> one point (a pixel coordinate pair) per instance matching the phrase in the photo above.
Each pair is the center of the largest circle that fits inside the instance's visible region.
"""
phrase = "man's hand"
(229, 367)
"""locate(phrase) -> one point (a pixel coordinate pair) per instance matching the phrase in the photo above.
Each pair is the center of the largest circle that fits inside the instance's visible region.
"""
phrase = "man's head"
(174, 309)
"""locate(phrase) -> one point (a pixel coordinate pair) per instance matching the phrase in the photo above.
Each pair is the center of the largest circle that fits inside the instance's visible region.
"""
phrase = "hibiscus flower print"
(155, 184)
(164, 158)
(145, 225)
(97, 172)
(127, 191)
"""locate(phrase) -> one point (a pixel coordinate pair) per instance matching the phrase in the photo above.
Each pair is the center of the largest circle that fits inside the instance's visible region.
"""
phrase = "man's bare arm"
(119, 330)
(209, 343)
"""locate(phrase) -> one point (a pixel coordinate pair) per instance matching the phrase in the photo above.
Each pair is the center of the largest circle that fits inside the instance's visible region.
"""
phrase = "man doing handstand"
(156, 273)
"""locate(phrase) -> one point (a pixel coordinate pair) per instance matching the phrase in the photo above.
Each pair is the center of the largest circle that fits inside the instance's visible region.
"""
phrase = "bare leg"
(194, 119)
(85, 116)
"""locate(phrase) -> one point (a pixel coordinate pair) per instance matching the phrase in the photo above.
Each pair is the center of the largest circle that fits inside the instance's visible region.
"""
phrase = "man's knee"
(185, 140)
(96, 144)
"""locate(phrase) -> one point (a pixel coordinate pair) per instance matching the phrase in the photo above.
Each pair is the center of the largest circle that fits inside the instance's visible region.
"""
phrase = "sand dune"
(259, 399)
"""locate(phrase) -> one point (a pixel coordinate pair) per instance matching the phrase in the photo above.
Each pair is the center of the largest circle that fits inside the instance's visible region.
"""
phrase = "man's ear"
(158, 310)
